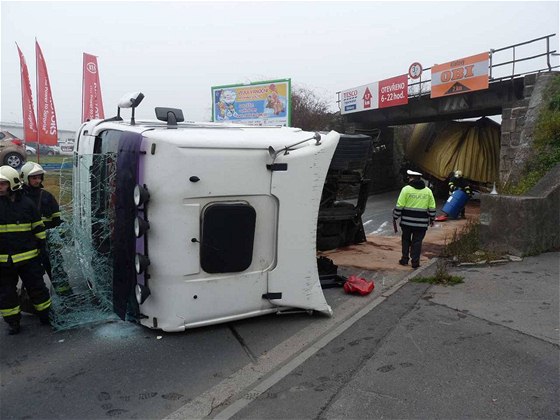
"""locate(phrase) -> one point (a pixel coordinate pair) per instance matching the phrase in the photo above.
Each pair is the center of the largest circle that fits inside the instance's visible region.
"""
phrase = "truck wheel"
(13, 159)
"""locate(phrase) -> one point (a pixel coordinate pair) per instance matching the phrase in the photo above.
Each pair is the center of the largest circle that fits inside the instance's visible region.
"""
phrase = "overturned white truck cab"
(211, 222)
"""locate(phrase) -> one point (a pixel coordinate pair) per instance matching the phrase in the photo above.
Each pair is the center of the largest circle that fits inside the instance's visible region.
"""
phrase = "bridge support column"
(519, 119)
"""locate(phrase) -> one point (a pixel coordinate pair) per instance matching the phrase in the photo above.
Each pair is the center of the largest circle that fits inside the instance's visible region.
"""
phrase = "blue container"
(455, 203)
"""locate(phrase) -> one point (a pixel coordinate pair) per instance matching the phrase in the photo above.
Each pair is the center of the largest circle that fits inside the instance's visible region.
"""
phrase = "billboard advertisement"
(382, 94)
(261, 103)
(460, 76)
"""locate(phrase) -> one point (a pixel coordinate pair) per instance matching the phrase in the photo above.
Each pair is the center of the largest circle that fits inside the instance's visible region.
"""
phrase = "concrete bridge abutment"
(519, 120)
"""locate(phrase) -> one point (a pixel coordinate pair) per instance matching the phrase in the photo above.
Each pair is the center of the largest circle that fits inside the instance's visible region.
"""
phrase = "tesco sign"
(382, 94)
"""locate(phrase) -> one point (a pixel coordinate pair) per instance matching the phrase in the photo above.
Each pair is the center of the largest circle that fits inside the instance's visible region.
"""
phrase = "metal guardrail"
(515, 60)
(57, 166)
(423, 87)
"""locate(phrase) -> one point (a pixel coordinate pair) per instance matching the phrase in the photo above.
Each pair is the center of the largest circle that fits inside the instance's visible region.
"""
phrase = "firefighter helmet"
(31, 169)
(10, 175)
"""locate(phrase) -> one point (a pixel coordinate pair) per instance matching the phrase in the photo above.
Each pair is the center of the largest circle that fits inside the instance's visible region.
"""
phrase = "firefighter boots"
(44, 317)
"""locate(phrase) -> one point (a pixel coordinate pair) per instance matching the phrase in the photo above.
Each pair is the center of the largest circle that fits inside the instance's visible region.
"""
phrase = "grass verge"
(51, 181)
(441, 276)
(464, 245)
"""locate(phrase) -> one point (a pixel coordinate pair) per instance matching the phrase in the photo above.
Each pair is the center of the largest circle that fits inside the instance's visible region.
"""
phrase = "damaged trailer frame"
(340, 219)
(211, 223)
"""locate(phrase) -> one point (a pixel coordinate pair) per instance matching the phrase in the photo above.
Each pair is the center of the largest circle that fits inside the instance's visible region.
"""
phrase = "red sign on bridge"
(393, 91)
(382, 94)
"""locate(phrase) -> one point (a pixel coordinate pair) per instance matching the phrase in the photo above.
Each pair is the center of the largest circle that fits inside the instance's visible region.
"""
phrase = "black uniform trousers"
(31, 274)
(412, 243)
(57, 275)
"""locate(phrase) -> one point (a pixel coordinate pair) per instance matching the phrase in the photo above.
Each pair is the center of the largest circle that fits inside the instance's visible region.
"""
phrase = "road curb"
(247, 384)
(410, 276)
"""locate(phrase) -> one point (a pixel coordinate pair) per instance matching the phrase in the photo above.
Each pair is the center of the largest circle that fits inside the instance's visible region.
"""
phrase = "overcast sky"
(174, 52)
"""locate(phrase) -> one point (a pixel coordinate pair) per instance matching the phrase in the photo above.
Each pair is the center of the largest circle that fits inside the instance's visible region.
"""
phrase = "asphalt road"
(488, 348)
(120, 369)
(378, 215)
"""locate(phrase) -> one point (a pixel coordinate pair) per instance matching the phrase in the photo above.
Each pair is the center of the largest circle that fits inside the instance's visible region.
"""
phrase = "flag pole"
(83, 84)
(37, 93)
(22, 104)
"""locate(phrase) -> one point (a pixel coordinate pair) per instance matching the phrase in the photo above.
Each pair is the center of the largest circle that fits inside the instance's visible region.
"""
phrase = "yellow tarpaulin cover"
(471, 146)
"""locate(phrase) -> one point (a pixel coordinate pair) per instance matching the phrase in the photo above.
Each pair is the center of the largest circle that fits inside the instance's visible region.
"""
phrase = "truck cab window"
(228, 232)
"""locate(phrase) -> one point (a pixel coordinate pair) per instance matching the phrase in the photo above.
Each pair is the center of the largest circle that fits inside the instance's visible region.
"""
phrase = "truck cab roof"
(205, 134)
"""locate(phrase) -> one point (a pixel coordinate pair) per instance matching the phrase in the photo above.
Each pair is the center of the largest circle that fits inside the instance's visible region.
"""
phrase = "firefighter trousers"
(57, 275)
(31, 274)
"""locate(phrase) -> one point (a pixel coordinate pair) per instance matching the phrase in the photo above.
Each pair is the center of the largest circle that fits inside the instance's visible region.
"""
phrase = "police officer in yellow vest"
(416, 207)
(22, 234)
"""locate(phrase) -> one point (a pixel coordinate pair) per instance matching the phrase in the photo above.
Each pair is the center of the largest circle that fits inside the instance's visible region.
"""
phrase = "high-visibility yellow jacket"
(22, 232)
(416, 206)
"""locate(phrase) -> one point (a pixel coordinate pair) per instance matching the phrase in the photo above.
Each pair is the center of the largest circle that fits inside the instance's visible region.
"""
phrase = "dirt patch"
(382, 253)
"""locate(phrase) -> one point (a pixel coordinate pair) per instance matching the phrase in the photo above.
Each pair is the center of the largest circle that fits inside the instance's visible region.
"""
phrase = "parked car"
(30, 150)
(66, 148)
(12, 151)
(43, 148)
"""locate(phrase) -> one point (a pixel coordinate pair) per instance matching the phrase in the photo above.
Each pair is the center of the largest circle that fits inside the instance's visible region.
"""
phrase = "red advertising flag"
(92, 102)
(29, 121)
(46, 115)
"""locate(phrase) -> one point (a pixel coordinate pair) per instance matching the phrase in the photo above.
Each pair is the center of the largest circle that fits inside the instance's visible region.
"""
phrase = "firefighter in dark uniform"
(457, 182)
(416, 207)
(22, 234)
(32, 175)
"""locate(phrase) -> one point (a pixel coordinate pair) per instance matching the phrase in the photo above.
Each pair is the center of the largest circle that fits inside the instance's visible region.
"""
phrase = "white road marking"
(380, 229)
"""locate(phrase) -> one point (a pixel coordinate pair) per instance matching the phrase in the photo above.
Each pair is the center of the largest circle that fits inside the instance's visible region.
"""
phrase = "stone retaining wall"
(523, 225)
(518, 125)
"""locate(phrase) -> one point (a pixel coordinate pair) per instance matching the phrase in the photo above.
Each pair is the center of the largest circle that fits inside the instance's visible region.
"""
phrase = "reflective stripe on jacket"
(415, 207)
(459, 184)
(22, 232)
